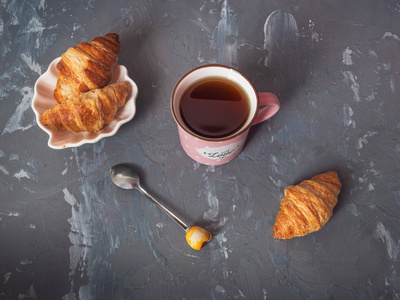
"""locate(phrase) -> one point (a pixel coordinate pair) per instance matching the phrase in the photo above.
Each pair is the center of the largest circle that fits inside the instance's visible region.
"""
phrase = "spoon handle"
(162, 207)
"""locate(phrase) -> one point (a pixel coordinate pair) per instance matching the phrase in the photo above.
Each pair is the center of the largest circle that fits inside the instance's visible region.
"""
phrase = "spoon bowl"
(125, 176)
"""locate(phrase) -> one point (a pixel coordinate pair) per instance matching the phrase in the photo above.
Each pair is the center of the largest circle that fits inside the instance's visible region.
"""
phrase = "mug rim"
(229, 137)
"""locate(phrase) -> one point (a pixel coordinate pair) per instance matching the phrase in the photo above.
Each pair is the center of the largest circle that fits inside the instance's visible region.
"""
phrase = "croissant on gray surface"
(308, 206)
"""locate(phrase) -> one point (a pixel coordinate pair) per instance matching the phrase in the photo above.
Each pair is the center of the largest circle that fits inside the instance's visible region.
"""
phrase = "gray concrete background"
(67, 232)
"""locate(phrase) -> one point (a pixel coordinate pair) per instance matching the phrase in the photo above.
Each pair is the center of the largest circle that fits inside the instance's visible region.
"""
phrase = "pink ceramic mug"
(217, 151)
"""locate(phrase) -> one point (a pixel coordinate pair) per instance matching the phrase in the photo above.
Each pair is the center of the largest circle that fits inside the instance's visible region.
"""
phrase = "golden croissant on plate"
(90, 111)
(87, 66)
(308, 206)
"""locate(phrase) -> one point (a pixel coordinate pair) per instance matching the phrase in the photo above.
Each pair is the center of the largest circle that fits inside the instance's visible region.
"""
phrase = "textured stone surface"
(67, 232)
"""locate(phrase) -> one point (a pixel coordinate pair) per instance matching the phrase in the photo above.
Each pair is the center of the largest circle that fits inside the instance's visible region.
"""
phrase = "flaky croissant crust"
(308, 206)
(90, 111)
(86, 66)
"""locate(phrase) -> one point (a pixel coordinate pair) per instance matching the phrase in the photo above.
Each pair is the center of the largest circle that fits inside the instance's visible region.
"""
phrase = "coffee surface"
(214, 108)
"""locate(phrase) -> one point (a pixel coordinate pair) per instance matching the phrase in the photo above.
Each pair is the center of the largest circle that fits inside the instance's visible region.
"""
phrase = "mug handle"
(269, 106)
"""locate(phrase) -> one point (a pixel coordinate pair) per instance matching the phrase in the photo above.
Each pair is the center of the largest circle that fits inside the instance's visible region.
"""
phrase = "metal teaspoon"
(126, 176)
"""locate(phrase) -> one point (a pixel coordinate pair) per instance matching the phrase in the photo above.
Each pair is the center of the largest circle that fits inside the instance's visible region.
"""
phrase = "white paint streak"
(315, 37)
(352, 209)
(370, 97)
(392, 84)
(14, 157)
(386, 69)
(25, 262)
(16, 120)
(225, 271)
(363, 140)
(387, 66)
(265, 294)
(347, 60)
(91, 225)
(351, 79)
(371, 187)
(4, 170)
(11, 214)
(213, 203)
(14, 18)
(223, 220)
(224, 37)
(23, 174)
(390, 35)
(68, 197)
(221, 290)
(31, 294)
(88, 166)
(347, 118)
(76, 26)
(34, 26)
(79, 237)
(392, 247)
(196, 165)
(34, 66)
(210, 168)
(248, 214)
(160, 225)
(64, 171)
(280, 34)
(42, 4)
(278, 183)
(6, 277)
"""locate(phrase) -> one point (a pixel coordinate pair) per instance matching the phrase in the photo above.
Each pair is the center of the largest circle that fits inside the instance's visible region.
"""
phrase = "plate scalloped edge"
(43, 99)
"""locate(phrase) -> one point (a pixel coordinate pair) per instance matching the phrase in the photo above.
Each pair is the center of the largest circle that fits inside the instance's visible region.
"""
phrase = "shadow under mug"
(217, 151)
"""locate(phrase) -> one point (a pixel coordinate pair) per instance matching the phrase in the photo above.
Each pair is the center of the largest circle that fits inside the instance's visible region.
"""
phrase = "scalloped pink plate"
(43, 99)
